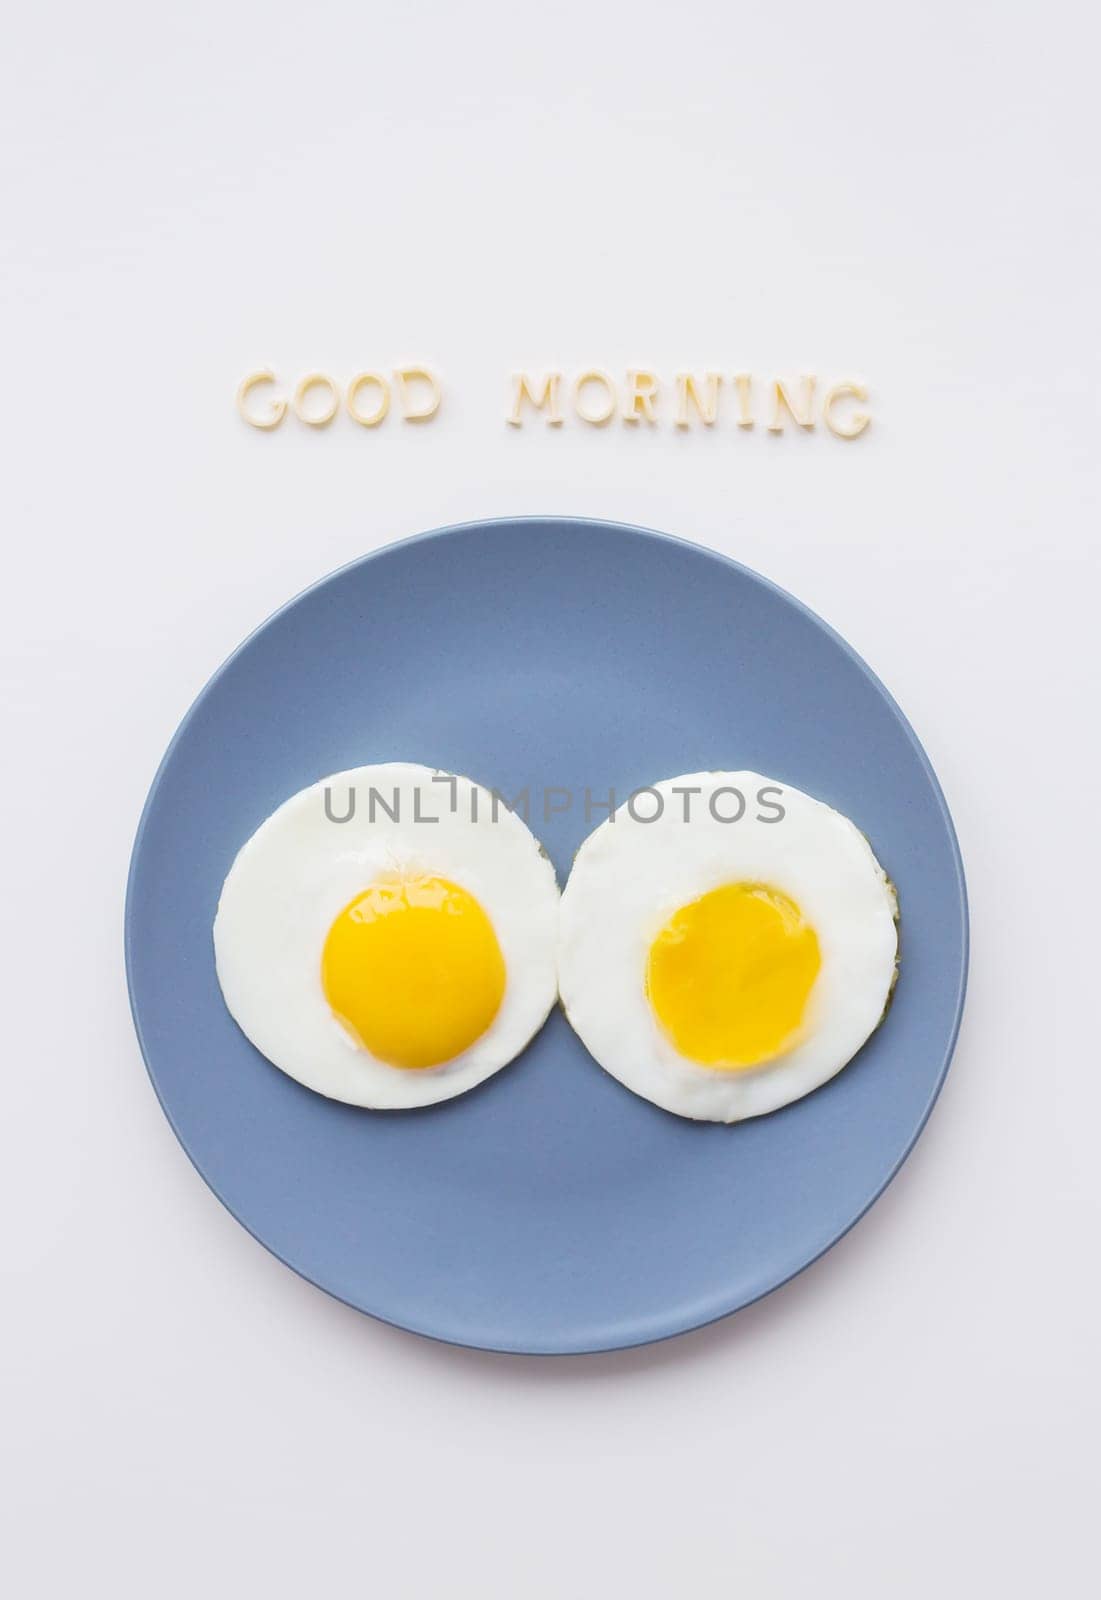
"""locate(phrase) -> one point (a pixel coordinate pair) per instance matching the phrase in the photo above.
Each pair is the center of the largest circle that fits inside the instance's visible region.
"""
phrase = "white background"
(902, 194)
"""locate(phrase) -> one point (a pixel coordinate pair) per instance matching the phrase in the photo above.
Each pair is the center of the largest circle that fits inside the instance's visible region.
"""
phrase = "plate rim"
(685, 1322)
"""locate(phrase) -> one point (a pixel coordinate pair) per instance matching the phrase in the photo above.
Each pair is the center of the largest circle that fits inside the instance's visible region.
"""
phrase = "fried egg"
(387, 936)
(726, 944)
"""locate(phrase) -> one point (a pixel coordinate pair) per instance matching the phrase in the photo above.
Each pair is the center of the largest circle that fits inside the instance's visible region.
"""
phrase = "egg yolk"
(413, 970)
(730, 974)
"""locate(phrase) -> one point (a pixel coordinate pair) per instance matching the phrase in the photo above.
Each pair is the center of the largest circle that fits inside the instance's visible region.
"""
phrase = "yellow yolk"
(730, 974)
(413, 970)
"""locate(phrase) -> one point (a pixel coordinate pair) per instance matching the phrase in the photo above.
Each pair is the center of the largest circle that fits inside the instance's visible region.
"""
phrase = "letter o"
(713, 810)
(316, 380)
(631, 798)
(596, 418)
(372, 419)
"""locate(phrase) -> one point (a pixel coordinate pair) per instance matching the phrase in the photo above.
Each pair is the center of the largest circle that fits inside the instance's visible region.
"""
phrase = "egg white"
(300, 869)
(630, 876)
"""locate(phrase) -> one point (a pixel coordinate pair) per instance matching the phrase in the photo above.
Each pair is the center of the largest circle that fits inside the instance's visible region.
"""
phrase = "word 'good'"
(697, 398)
(317, 398)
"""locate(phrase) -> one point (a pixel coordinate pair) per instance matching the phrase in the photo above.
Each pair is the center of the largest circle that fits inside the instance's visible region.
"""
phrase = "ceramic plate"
(549, 1210)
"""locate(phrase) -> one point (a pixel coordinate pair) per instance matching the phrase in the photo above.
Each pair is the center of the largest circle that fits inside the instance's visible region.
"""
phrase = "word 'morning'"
(595, 398)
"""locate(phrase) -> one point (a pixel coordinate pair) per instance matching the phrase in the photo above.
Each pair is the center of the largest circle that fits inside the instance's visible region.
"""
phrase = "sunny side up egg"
(730, 955)
(387, 936)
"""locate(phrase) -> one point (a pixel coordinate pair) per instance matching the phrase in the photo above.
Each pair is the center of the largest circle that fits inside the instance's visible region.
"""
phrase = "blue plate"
(549, 1210)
